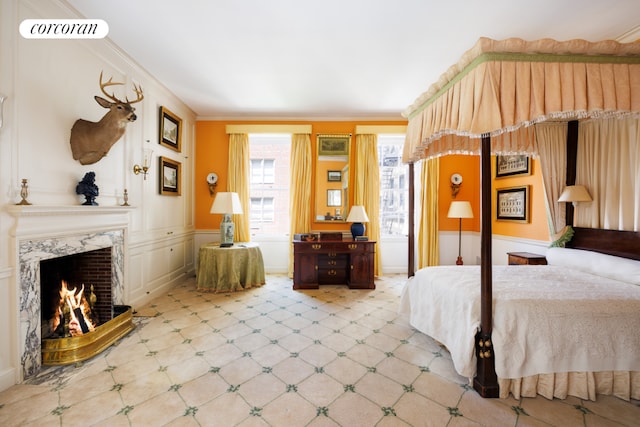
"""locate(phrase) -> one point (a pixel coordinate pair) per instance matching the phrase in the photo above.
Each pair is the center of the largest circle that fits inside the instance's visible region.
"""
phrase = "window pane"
(267, 209)
(269, 171)
(269, 189)
(393, 186)
(256, 171)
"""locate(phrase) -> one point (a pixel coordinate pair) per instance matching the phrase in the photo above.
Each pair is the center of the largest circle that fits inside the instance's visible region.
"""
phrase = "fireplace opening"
(81, 284)
(81, 281)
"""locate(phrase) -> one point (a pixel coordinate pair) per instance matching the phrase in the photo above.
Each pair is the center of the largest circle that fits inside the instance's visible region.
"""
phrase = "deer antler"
(136, 88)
(109, 83)
(139, 94)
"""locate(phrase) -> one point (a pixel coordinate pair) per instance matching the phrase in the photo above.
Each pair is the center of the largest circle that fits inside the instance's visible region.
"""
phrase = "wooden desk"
(230, 269)
(333, 262)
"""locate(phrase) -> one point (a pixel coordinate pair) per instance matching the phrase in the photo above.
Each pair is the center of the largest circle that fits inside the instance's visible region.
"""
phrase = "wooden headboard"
(624, 244)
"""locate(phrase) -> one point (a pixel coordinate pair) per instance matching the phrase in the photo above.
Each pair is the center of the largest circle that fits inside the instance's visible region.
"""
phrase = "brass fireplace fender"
(65, 351)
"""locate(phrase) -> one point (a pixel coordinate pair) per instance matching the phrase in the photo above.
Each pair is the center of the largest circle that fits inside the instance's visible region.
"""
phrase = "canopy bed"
(488, 103)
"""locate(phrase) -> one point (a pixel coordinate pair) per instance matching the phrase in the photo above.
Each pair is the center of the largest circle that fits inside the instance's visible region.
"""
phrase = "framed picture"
(512, 165)
(334, 176)
(170, 177)
(333, 145)
(512, 204)
(334, 197)
(170, 129)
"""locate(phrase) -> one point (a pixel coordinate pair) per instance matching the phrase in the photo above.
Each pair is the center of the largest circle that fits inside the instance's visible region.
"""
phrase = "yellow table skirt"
(230, 269)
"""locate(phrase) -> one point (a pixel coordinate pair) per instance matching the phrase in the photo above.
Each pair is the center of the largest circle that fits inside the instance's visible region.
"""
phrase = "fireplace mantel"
(35, 221)
(44, 232)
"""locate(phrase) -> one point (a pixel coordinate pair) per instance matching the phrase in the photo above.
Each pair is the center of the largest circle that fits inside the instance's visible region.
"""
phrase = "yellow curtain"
(428, 243)
(238, 182)
(367, 189)
(300, 185)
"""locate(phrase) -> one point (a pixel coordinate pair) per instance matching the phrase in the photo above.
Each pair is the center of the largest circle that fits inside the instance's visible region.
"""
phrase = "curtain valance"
(502, 86)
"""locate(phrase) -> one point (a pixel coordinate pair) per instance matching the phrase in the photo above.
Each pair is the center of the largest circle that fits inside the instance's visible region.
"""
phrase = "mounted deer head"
(91, 141)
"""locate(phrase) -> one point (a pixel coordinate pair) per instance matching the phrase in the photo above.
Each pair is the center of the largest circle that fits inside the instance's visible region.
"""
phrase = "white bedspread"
(546, 319)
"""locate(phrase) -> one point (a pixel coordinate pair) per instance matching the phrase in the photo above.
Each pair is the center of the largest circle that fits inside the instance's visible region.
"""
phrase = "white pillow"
(613, 267)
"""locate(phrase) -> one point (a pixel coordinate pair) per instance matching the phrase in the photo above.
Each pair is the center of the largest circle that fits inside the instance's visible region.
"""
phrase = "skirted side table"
(230, 269)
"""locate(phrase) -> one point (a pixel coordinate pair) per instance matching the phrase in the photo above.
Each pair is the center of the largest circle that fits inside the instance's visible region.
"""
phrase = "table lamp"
(460, 210)
(574, 194)
(357, 216)
(226, 204)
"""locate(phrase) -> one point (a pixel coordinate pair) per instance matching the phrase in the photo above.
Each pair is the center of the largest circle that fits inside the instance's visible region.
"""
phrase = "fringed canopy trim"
(502, 87)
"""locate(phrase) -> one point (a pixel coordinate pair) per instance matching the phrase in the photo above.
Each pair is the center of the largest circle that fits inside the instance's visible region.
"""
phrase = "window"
(394, 190)
(261, 209)
(269, 188)
(262, 171)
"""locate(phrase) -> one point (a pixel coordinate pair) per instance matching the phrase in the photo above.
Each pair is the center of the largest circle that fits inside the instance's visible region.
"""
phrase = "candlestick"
(24, 193)
(126, 198)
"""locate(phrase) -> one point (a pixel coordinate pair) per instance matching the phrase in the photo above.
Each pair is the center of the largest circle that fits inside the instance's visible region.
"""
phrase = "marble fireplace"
(44, 233)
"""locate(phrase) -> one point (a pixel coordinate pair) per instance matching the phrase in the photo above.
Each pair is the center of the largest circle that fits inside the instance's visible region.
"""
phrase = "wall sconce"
(144, 169)
(456, 182)
(212, 181)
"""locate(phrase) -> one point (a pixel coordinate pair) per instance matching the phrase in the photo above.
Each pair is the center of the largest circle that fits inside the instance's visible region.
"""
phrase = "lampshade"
(226, 203)
(460, 209)
(575, 193)
(357, 214)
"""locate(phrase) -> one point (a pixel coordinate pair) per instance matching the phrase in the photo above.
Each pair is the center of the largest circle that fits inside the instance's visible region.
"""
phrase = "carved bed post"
(411, 239)
(486, 381)
(572, 159)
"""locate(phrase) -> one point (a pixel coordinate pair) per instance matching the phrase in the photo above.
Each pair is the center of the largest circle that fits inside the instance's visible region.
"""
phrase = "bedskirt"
(583, 385)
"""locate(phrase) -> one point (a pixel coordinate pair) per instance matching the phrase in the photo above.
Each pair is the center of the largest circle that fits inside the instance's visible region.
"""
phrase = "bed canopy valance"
(487, 103)
(500, 88)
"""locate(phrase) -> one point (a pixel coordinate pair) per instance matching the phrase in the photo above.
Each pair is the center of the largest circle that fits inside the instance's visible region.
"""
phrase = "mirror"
(332, 178)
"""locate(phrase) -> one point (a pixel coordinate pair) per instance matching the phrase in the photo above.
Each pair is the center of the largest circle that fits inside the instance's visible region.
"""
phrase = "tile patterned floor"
(272, 356)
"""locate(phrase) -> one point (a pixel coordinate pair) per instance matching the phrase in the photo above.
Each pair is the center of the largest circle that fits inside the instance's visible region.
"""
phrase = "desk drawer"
(332, 275)
(332, 261)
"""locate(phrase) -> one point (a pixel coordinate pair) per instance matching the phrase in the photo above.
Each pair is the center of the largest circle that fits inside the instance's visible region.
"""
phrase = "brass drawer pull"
(316, 246)
(332, 272)
(332, 263)
(353, 246)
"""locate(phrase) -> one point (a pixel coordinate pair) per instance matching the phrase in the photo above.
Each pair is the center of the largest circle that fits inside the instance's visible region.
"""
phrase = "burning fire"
(74, 310)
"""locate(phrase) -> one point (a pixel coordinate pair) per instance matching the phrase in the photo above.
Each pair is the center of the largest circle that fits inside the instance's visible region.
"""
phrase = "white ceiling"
(329, 59)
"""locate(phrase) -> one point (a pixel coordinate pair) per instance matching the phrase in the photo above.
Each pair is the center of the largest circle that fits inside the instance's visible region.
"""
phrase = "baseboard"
(7, 378)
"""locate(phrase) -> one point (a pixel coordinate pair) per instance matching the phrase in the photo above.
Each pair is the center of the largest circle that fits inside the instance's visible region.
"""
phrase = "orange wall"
(212, 151)
(469, 168)
(537, 227)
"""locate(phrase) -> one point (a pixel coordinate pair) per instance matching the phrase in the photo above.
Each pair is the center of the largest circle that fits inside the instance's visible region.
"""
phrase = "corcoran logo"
(64, 29)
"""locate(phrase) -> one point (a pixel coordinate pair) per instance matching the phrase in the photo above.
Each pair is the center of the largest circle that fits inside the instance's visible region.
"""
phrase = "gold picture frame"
(511, 165)
(512, 204)
(170, 177)
(334, 145)
(170, 130)
(334, 176)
